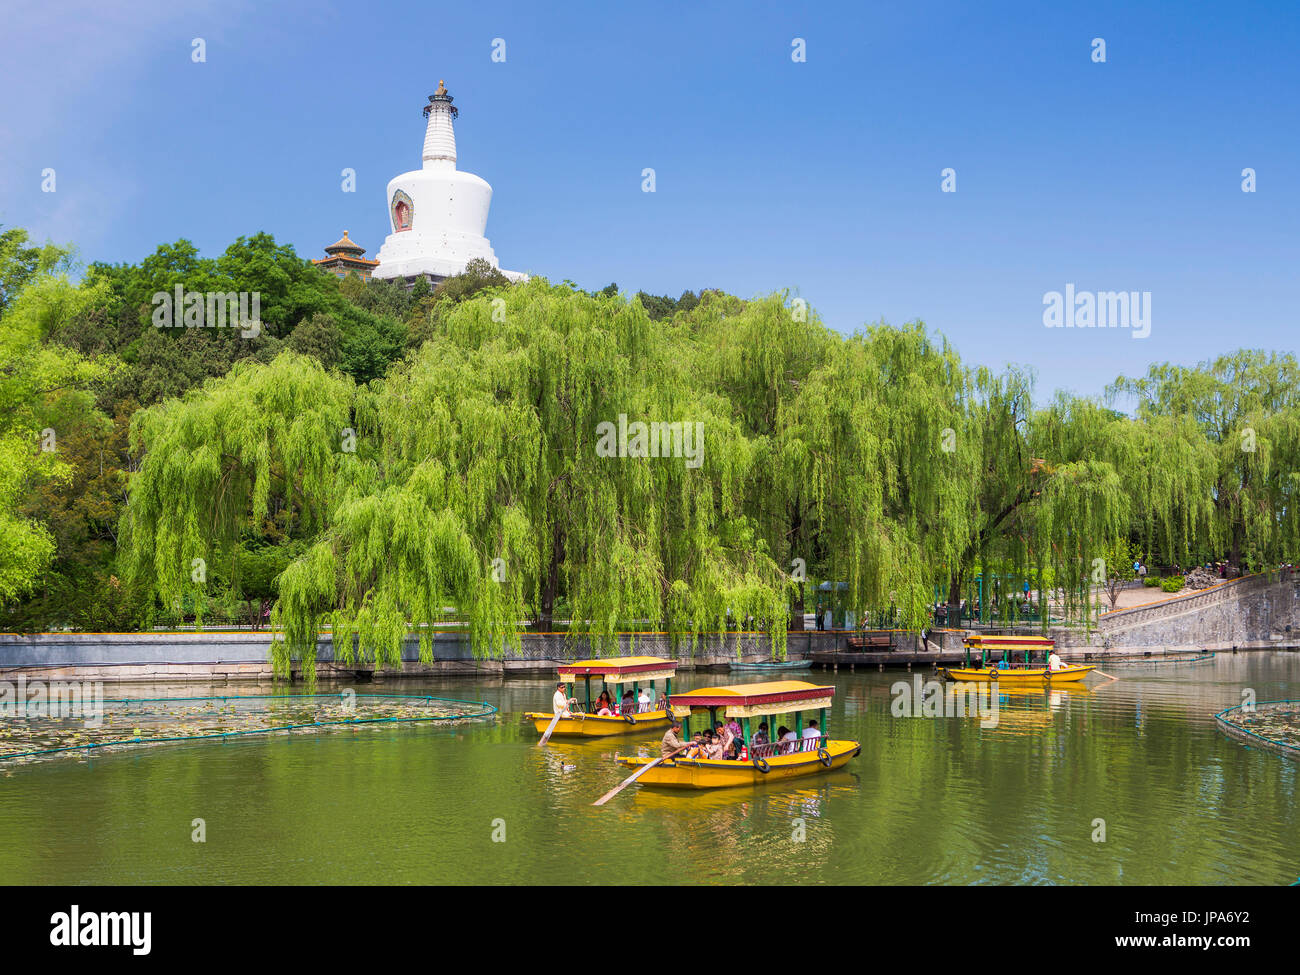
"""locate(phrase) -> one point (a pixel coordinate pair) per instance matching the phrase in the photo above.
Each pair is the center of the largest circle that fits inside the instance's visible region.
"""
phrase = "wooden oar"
(546, 736)
(634, 776)
(1102, 673)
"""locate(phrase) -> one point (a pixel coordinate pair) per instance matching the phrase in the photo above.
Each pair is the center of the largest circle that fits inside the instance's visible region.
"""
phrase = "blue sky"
(822, 177)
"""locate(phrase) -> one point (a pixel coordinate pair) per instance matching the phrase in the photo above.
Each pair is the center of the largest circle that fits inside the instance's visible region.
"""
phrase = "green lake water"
(929, 800)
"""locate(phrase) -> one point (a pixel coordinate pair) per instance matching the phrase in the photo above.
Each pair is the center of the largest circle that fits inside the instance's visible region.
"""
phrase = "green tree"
(1246, 406)
(20, 262)
(222, 459)
(319, 337)
(43, 387)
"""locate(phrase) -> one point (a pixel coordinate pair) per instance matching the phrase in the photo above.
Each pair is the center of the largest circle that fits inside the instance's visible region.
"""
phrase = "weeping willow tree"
(760, 357)
(932, 447)
(215, 460)
(1167, 468)
(1245, 406)
(548, 454)
(544, 446)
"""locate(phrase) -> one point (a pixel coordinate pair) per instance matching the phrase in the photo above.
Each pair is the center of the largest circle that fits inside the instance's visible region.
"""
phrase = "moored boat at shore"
(769, 666)
(586, 722)
(805, 754)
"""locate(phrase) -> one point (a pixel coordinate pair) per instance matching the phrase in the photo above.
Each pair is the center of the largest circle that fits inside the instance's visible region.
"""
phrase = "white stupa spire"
(440, 134)
(438, 213)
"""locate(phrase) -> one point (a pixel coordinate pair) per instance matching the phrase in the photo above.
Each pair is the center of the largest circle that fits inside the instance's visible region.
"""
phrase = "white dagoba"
(438, 213)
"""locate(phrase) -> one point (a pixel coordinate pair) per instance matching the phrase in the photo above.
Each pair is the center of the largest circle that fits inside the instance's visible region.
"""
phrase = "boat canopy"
(620, 670)
(1007, 645)
(754, 700)
(980, 641)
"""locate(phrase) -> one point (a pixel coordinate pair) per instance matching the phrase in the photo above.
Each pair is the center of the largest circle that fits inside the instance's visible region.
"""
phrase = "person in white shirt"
(787, 739)
(643, 699)
(560, 701)
(812, 732)
(1054, 662)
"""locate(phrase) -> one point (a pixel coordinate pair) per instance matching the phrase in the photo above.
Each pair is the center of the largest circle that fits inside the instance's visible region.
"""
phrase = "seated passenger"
(787, 739)
(736, 745)
(734, 727)
(604, 705)
(726, 740)
(760, 736)
(712, 746)
(697, 746)
(643, 700)
(810, 736)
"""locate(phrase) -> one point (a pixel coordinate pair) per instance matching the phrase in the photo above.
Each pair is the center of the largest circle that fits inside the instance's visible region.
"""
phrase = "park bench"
(882, 640)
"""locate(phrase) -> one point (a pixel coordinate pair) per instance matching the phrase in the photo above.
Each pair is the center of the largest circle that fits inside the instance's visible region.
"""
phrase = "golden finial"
(442, 88)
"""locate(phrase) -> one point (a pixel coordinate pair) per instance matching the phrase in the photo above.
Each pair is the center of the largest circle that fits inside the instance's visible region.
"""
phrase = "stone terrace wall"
(1253, 612)
(243, 655)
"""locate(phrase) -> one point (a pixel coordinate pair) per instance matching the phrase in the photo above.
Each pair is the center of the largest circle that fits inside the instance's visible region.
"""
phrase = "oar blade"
(546, 736)
(630, 779)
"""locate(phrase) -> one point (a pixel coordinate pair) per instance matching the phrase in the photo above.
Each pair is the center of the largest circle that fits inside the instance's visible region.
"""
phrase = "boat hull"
(771, 667)
(1033, 675)
(722, 774)
(597, 726)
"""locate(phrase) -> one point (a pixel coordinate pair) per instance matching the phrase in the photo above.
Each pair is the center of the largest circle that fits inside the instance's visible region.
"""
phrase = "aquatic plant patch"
(133, 722)
(1271, 724)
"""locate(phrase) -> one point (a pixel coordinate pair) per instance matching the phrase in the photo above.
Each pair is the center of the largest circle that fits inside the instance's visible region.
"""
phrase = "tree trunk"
(796, 529)
(547, 616)
(954, 588)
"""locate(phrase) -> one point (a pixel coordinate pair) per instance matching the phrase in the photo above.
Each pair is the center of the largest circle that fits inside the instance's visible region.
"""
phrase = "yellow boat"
(640, 672)
(770, 762)
(1011, 672)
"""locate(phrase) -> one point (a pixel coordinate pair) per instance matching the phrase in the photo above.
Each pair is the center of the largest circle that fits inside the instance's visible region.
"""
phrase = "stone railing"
(1255, 611)
(1199, 601)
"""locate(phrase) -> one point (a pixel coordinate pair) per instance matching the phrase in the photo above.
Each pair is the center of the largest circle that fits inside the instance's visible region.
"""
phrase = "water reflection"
(929, 800)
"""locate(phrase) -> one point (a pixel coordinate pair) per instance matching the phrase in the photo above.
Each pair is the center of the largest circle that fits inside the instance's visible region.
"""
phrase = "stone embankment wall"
(1252, 613)
(226, 655)
(1256, 612)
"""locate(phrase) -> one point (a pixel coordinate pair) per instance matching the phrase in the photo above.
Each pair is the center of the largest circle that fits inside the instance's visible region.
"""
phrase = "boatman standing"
(671, 742)
(560, 702)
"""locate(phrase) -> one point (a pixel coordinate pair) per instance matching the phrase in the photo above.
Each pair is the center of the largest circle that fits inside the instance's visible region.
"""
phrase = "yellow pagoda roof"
(345, 243)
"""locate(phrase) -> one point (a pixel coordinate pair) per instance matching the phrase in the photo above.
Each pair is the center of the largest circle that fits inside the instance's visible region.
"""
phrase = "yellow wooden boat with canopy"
(616, 672)
(1009, 669)
(770, 762)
